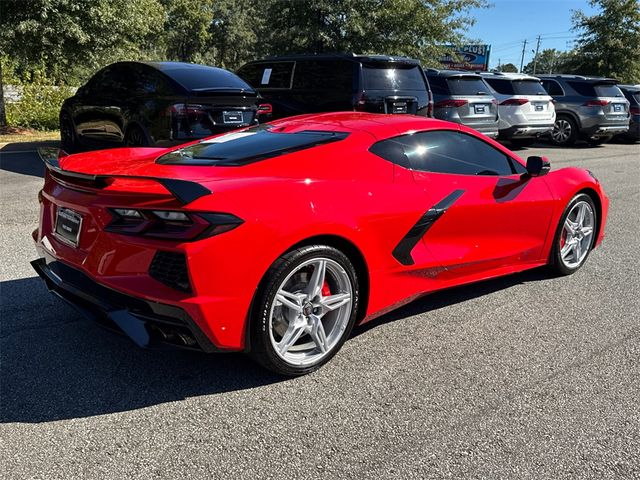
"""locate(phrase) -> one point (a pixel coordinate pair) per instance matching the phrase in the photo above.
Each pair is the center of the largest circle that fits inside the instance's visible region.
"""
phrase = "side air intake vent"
(170, 268)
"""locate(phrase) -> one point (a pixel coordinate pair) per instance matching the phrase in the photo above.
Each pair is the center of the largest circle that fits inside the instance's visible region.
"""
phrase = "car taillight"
(170, 224)
(596, 103)
(635, 110)
(515, 101)
(187, 111)
(265, 109)
(451, 103)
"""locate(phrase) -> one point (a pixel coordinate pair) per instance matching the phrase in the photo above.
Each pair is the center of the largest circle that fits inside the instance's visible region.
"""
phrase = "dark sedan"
(156, 103)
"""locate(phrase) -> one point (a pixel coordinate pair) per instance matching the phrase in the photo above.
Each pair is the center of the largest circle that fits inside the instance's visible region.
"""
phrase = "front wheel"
(575, 235)
(305, 311)
(135, 137)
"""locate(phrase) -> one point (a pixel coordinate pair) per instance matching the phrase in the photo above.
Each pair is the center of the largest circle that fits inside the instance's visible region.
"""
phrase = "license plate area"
(480, 109)
(399, 107)
(617, 107)
(232, 117)
(68, 225)
(538, 107)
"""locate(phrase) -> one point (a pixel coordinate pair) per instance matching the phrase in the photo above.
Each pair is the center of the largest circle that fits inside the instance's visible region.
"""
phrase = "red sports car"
(277, 239)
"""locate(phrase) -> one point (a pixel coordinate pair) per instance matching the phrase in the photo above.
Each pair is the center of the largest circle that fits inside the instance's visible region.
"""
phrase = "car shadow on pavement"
(23, 157)
(57, 365)
(451, 296)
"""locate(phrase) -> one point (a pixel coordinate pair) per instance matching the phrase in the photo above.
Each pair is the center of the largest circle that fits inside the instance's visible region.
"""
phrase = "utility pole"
(524, 45)
(499, 65)
(535, 57)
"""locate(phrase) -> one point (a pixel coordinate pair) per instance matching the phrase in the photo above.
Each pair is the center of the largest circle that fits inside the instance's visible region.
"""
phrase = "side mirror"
(538, 166)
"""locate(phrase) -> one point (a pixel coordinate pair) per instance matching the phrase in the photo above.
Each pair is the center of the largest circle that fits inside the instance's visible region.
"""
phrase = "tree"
(3, 113)
(508, 67)
(70, 38)
(187, 29)
(416, 28)
(551, 60)
(608, 43)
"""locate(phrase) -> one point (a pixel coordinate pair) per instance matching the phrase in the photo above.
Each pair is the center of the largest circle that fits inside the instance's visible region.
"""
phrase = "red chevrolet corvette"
(277, 239)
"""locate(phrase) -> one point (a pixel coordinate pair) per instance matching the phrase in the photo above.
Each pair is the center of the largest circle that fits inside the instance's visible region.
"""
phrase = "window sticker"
(266, 76)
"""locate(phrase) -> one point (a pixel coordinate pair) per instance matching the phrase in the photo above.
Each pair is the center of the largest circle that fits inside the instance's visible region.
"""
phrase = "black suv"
(300, 84)
(589, 108)
(155, 103)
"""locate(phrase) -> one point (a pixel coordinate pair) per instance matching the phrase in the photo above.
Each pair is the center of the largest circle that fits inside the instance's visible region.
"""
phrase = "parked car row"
(168, 103)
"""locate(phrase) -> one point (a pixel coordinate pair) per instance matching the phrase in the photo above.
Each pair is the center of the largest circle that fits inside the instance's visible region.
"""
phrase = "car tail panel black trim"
(402, 251)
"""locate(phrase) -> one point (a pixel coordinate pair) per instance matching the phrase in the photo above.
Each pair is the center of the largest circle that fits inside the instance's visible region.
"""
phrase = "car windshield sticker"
(266, 76)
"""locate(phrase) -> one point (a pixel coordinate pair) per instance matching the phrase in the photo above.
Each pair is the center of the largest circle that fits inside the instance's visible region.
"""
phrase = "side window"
(438, 85)
(501, 86)
(251, 74)
(445, 151)
(323, 75)
(147, 81)
(553, 88)
(274, 75)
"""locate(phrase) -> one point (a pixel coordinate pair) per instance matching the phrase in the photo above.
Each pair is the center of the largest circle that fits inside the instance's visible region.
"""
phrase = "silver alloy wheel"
(561, 131)
(577, 234)
(311, 311)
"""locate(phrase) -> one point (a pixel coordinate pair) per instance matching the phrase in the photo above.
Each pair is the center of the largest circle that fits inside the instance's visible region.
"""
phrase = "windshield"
(528, 87)
(467, 86)
(248, 146)
(382, 78)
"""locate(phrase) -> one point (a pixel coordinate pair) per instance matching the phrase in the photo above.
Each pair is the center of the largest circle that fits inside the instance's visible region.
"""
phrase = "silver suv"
(463, 97)
(588, 108)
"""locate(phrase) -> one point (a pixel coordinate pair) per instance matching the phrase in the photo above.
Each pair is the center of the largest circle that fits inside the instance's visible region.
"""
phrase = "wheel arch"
(598, 204)
(569, 113)
(346, 246)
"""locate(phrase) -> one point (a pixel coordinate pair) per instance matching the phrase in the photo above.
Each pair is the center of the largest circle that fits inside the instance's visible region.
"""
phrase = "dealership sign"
(470, 57)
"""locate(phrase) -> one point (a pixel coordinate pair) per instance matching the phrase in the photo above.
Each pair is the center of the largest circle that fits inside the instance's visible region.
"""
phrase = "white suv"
(526, 110)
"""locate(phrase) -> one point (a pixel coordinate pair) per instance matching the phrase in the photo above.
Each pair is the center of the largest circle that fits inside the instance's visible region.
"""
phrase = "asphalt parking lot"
(523, 377)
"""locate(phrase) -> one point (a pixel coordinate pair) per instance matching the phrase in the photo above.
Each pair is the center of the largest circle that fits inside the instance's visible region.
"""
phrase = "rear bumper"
(598, 131)
(526, 131)
(147, 323)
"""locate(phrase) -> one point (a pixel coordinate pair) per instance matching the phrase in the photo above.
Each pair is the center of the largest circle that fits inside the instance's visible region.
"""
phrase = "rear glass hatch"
(248, 146)
(398, 85)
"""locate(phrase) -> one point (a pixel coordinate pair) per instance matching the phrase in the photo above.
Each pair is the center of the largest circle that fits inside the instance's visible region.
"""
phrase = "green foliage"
(609, 43)
(551, 60)
(508, 67)
(70, 39)
(39, 106)
(187, 25)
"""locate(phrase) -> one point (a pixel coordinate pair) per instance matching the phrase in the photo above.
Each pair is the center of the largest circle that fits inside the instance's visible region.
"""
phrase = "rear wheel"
(565, 131)
(305, 311)
(135, 137)
(575, 235)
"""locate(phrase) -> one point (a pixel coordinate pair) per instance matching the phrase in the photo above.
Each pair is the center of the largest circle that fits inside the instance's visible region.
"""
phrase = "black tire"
(68, 139)
(564, 123)
(262, 349)
(523, 142)
(556, 263)
(136, 137)
(594, 142)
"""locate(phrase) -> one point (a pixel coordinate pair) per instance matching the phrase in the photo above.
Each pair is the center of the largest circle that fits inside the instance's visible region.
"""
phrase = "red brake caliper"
(326, 291)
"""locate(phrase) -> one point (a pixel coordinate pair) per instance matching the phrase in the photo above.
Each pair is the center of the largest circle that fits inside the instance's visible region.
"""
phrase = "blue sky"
(506, 23)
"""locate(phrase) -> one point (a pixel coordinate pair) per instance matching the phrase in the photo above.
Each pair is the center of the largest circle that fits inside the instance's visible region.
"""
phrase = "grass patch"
(20, 135)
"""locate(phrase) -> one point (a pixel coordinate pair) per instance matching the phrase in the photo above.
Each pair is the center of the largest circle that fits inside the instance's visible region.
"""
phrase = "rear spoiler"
(183, 190)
